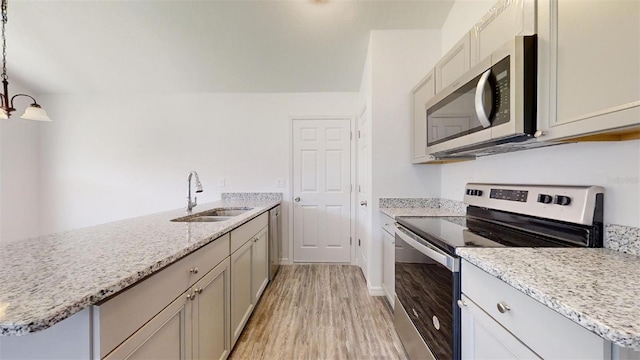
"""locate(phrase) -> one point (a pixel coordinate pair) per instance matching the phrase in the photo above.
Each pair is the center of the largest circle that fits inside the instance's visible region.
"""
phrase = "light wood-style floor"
(319, 311)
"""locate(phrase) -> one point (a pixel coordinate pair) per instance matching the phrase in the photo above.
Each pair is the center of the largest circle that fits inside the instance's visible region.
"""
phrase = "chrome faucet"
(192, 204)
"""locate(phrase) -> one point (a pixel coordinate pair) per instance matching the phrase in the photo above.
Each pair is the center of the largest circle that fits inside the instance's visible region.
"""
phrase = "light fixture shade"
(3, 115)
(35, 113)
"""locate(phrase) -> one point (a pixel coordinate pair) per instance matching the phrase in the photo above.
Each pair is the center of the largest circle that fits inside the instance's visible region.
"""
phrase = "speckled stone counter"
(47, 279)
(453, 206)
(596, 288)
(393, 212)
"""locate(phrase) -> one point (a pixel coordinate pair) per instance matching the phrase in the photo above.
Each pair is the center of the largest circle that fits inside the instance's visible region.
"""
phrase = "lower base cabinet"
(500, 322)
(485, 338)
(388, 266)
(166, 336)
(250, 277)
(194, 326)
(388, 258)
(211, 314)
(241, 295)
(259, 264)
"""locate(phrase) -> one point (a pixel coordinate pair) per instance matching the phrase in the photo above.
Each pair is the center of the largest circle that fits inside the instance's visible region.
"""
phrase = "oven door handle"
(431, 251)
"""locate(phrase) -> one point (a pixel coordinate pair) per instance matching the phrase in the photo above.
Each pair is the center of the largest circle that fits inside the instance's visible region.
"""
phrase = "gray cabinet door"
(484, 338)
(241, 294)
(212, 314)
(166, 336)
(424, 91)
(453, 64)
(259, 264)
(588, 70)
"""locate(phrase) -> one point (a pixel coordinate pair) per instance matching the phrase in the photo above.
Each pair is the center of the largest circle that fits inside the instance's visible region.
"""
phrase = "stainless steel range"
(427, 269)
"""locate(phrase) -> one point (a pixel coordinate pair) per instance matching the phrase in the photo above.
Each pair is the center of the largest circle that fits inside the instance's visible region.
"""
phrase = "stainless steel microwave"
(490, 108)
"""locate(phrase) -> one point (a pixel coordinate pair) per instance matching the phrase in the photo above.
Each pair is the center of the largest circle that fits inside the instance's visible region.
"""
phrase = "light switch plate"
(221, 182)
(280, 183)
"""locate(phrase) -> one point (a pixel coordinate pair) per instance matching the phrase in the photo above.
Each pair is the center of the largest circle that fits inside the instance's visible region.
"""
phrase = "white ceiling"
(74, 46)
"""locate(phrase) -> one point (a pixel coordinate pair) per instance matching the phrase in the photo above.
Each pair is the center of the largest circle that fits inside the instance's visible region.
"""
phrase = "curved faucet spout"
(194, 203)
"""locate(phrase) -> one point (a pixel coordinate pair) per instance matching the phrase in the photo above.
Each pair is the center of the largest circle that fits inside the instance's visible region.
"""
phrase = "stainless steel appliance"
(427, 269)
(490, 109)
(275, 240)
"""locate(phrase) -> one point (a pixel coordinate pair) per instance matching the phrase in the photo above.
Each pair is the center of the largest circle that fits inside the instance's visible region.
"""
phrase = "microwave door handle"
(479, 103)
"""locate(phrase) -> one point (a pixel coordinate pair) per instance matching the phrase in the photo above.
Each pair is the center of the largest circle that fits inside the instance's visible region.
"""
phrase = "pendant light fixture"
(34, 111)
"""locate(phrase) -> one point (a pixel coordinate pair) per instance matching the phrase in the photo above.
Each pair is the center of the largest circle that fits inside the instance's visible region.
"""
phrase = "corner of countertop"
(393, 207)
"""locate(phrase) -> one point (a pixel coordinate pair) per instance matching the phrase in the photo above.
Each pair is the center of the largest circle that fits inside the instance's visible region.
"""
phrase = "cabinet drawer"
(115, 319)
(546, 332)
(242, 234)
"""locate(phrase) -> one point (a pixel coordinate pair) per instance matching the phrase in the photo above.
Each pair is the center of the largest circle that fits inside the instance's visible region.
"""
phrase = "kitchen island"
(48, 279)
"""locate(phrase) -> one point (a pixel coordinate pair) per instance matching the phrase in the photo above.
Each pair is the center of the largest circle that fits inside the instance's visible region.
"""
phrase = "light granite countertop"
(45, 280)
(596, 288)
(393, 212)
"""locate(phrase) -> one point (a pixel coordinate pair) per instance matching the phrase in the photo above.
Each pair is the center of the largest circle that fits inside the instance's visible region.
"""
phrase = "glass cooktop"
(449, 233)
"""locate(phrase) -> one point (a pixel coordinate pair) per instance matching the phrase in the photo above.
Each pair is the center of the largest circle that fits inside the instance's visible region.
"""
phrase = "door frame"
(352, 171)
(357, 219)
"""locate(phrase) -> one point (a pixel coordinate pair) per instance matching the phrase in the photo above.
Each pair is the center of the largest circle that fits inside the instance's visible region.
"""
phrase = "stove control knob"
(562, 200)
(474, 192)
(545, 199)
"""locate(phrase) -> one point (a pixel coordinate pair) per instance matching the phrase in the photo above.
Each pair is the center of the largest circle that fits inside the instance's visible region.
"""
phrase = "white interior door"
(321, 190)
(364, 191)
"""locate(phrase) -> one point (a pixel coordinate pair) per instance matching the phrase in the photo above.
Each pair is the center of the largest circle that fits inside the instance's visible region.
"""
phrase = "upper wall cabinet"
(424, 91)
(505, 20)
(454, 64)
(588, 70)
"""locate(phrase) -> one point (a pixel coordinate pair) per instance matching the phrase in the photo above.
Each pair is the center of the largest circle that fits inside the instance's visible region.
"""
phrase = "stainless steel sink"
(202, 219)
(213, 215)
(225, 212)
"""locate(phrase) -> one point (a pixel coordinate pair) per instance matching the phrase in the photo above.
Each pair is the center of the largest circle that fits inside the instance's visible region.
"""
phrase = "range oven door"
(427, 289)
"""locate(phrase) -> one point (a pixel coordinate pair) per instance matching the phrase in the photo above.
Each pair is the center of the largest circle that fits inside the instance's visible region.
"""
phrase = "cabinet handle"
(415, 313)
(461, 304)
(191, 296)
(503, 308)
(198, 291)
(194, 270)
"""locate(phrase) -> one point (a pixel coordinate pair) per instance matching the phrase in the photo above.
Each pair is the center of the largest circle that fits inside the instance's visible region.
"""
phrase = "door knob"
(297, 199)
(363, 203)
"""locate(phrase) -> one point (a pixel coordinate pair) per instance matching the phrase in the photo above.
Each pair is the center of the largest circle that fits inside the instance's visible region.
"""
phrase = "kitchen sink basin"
(201, 219)
(213, 215)
(225, 212)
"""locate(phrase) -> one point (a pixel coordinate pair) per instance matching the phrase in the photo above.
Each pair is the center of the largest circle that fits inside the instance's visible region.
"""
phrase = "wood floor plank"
(319, 311)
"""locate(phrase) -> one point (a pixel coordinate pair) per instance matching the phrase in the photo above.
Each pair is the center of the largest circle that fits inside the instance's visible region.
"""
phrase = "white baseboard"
(285, 261)
(376, 291)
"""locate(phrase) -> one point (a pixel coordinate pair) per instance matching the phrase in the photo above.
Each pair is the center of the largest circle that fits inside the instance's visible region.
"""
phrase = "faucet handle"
(195, 201)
